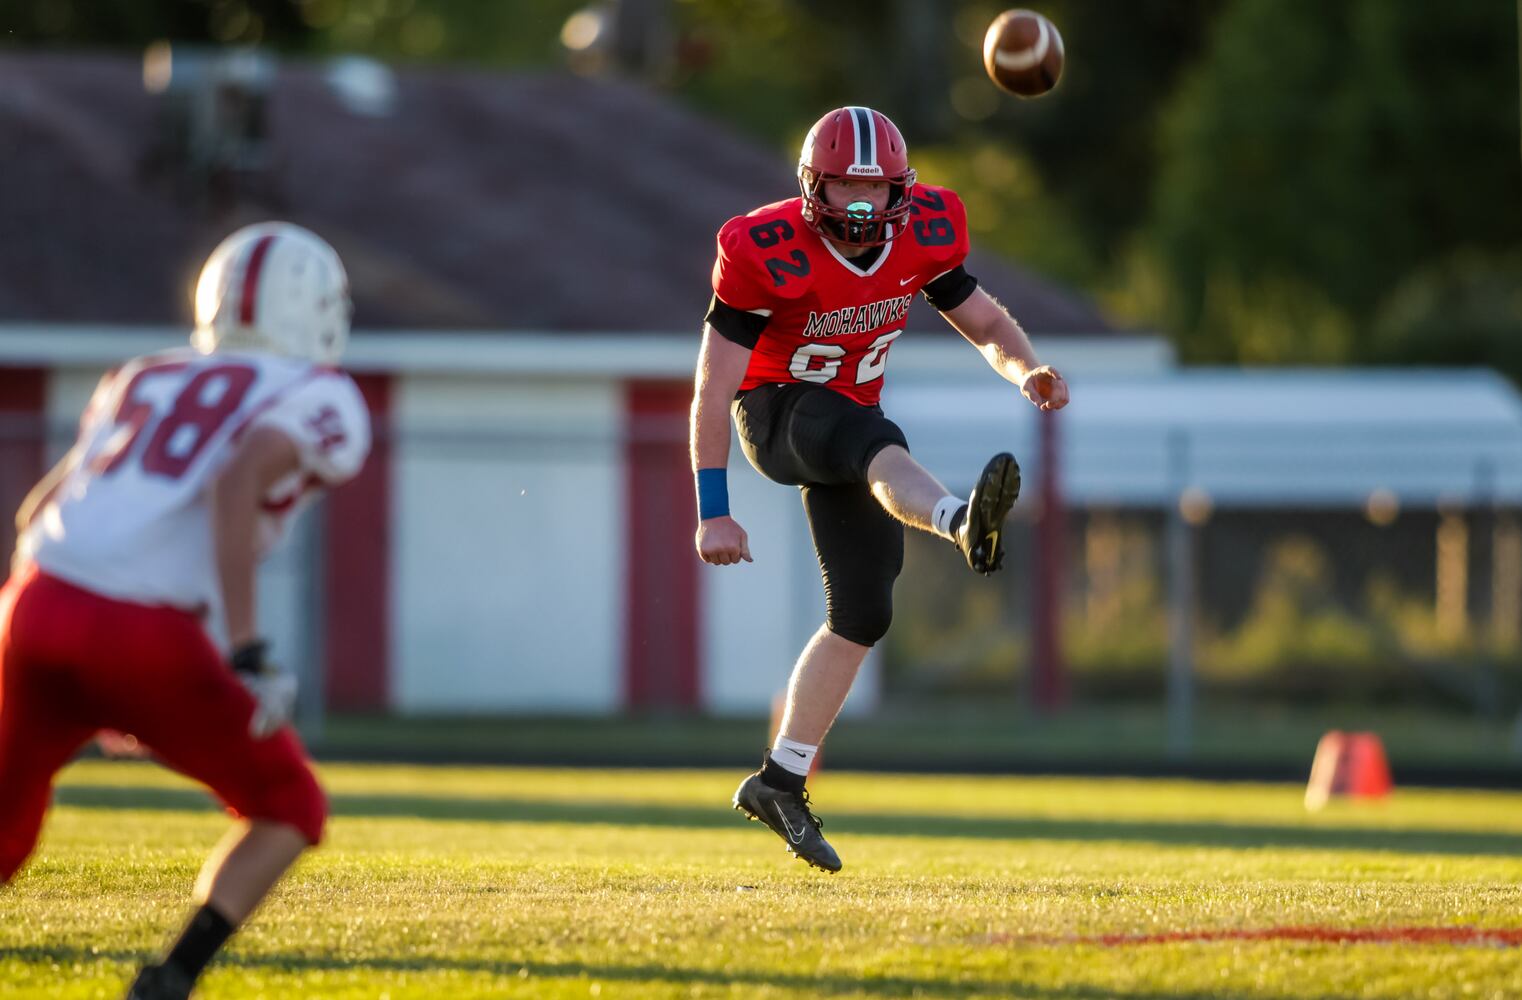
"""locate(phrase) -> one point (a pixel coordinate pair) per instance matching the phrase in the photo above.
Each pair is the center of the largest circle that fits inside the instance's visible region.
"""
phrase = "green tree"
(136, 23)
(1465, 309)
(1334, 149)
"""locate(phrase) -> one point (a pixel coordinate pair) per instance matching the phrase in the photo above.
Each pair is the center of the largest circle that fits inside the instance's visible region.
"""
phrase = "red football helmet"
(855, 144)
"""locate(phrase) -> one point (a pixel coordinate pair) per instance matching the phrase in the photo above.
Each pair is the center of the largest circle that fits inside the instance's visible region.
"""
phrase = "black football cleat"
(160, 982)
(789, 816)
(981, 536)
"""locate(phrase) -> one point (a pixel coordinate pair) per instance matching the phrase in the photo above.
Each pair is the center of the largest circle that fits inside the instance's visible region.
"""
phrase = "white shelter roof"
(1245, 437)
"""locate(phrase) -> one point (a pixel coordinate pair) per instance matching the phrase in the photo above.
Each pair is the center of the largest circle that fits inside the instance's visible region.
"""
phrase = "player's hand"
(274, 689)
(1046, 388)
(721, 541)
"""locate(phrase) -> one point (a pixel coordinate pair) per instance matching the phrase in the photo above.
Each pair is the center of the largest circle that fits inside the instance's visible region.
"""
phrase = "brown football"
(1022, 52)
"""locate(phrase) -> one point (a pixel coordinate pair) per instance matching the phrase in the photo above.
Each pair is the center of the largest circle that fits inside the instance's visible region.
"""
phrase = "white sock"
(793, 756)
(946, 509)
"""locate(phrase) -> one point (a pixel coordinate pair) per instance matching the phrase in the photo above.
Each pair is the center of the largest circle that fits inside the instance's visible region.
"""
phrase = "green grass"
(489, 882)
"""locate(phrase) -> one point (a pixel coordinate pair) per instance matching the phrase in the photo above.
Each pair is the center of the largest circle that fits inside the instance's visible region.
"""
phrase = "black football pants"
(813, 437)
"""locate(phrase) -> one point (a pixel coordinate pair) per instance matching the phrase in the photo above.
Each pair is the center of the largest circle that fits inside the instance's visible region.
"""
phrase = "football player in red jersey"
(188, 464)
(809, 296)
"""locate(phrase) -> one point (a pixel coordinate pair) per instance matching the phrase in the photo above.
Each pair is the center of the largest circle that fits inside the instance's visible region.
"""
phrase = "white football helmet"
(273, 287)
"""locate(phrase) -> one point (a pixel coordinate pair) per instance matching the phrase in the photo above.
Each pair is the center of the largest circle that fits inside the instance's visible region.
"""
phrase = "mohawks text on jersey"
(858, 319)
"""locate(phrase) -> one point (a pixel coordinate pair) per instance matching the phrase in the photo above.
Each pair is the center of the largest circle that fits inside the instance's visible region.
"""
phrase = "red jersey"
(831, 322)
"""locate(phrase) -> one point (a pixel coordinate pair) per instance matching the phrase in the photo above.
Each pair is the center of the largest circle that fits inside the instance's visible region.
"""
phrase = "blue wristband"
(713, 493)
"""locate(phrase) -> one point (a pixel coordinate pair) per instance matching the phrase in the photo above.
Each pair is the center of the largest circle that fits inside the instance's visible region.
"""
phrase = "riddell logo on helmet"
(864, 170)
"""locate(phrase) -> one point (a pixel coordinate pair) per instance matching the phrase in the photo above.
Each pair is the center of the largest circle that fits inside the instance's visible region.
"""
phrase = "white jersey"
(130, 519)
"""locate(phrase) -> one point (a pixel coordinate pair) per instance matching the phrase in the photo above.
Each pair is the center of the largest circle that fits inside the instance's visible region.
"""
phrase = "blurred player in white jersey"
(186, 466)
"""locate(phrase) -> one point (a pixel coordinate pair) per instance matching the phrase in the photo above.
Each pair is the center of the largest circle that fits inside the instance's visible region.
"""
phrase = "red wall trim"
(357, 566)
(23, 445)
(662, 663)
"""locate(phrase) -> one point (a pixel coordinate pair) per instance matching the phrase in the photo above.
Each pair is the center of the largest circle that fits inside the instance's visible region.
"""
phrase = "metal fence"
(1291, 605)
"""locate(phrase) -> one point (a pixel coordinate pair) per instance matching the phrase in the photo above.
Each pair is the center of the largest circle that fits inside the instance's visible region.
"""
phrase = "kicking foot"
(981, 536)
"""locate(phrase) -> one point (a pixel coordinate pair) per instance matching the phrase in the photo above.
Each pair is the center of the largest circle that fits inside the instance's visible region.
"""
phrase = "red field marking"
(1494, 937)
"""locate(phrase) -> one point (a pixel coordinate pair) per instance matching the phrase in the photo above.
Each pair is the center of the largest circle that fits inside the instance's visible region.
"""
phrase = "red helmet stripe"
(251, 279)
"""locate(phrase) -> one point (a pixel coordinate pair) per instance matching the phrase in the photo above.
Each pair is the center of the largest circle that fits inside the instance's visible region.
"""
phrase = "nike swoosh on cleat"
(794, 838)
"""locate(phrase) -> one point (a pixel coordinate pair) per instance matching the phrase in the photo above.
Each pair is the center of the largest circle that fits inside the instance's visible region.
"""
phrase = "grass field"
(494, 882)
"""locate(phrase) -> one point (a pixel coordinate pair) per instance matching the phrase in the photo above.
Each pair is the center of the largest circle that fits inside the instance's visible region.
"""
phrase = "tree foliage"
(1464, 309)
(1329, 151)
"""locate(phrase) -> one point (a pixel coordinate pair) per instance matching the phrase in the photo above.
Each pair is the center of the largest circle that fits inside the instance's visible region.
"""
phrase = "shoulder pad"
(938, 225)
(770, 246)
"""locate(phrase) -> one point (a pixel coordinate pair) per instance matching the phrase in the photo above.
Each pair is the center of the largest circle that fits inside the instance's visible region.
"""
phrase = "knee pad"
(297, 801)
(861, 552)
(309, 809)
(863, 620)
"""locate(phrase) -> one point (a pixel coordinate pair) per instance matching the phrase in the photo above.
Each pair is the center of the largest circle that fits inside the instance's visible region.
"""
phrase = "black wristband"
(249, 657)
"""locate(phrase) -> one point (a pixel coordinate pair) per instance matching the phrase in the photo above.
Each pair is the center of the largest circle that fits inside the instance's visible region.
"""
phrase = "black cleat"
(789, 816)
(981, 536)
(160, 982)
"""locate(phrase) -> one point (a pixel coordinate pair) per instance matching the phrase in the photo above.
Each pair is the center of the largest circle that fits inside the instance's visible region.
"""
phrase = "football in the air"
(1022, 52)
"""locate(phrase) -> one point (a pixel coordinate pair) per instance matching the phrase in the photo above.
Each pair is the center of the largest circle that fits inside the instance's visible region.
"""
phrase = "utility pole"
(1181, 538)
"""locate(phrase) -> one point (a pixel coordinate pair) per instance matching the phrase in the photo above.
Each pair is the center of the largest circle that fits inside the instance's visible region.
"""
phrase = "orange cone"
(1351, 764)
(779, 705)
(1370, 777)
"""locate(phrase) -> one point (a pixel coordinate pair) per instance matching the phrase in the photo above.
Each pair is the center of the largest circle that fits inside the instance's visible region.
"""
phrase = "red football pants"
(73, 662)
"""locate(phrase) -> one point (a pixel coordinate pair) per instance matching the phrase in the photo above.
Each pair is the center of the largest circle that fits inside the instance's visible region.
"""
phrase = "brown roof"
(485, 200)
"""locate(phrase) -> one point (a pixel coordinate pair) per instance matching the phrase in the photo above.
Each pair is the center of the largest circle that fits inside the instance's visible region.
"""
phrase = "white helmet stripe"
(866, 137)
